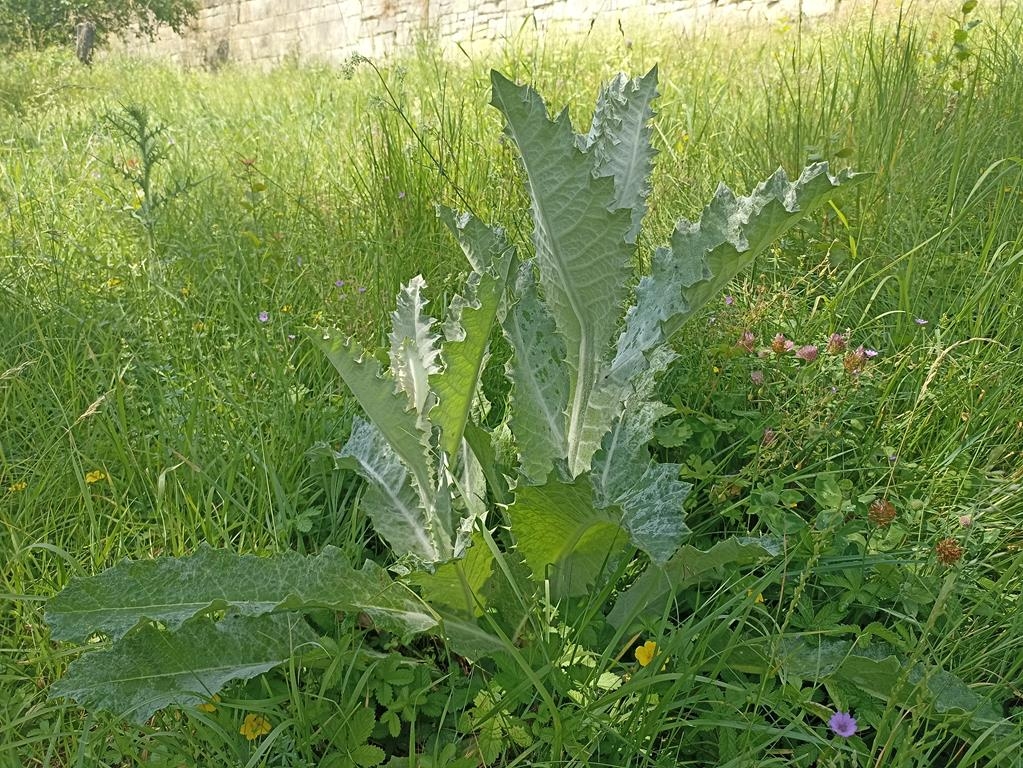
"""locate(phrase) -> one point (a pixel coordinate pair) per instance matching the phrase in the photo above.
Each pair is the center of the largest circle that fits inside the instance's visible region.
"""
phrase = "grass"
(133, 346)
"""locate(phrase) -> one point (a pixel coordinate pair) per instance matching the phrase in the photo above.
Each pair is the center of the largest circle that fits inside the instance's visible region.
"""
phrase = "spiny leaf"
(153, 668)
(472, 317)
(705, 255)
(560, 534)
(172, 590)
(581, 252)
(388, 410)
(619, 142)
(414, 347)
(539, 395)
(391, 501)
(649, 494)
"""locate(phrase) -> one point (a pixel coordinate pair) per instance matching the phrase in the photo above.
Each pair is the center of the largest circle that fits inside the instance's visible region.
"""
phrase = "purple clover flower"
(339, 283)
(729, 301)
(747, 341)
(264, 316)
(362, 289)
(920, 321)
(807, 353)
(843, 724)
(870, 353)
(757, 377)
(781, 345)
(836, 344)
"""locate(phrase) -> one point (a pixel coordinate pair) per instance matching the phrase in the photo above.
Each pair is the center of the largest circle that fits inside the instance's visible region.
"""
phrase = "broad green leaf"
(539, 396)
(415, 348)
(155, 668)
(583, 258)
(705, 255)
(388, 410)
(397, 511)
(562, 536)
(172, 590)
(619, 142)
(472, 316)
(457, 586)
(656, 586)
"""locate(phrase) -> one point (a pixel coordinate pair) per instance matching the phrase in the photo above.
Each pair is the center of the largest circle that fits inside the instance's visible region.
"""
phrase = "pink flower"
(757, 377)
(836, 344)
(747, 341)
(780, 344)
(807, 353)
(264, 316)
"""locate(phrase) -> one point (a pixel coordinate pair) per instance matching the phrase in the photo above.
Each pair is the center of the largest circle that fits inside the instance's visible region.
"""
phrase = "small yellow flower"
(255, 726)
(113, 282)
(95, 476)
(211, 705)
(286, 308)
(646, 652)
(17, 487)
(198, 326)
(185, 291)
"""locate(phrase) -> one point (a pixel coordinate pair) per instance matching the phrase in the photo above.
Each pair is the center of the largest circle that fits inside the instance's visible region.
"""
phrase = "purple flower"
(747, 341)
(729, 301)
(843, 724)
(836, 344)
(757, 377)
(807, 353)
(264, 316)
(339, 283)
(920, 321)
(870, 353)
(780, 344)
(362, 289)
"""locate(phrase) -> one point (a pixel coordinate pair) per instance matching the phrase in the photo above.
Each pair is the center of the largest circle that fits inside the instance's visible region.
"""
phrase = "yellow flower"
(209, 706)
(95, 476)
(255, 726)
(646, 652)
(286, 308)
(17, 487)
(113, 282)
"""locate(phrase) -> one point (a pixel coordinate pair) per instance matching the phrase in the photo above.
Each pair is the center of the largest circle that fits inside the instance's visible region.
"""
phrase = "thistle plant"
(568, 471)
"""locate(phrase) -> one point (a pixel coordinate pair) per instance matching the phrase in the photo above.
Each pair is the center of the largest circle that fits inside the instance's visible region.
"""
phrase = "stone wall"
(268, 31)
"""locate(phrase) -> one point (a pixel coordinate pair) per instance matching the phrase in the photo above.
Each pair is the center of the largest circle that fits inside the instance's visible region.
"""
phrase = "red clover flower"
(747, 341)
(807, 352)
(780, 345)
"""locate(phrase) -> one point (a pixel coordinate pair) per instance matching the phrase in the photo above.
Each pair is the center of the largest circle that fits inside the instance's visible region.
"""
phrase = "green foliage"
(200, 415)
(425, 491)
(40, 23)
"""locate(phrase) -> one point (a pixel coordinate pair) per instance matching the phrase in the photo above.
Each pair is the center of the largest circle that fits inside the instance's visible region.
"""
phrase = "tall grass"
(308, 195)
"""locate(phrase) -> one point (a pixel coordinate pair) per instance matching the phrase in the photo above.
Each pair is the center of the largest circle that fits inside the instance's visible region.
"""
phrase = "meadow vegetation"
(852, 398)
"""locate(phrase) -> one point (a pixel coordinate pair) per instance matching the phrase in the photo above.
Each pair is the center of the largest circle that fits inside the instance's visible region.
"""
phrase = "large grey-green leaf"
(581, 252)
(472, 316)
(415, 348)
(389, 411)
(539, 396)
(656, 586)
(398, 512)
(705, 255)
(650, 495)
(172, 590)
(562, 536)
(619, 141)
(154, 668)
